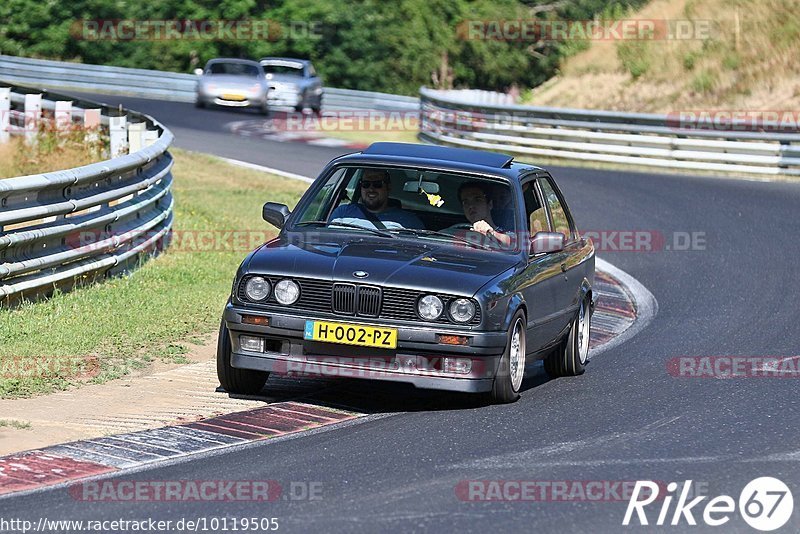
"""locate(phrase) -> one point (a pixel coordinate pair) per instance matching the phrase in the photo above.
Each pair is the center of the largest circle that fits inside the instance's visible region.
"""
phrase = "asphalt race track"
(734, 293)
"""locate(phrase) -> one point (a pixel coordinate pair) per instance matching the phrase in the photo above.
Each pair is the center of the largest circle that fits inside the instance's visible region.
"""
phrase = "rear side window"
(535, 212)
(557, 212)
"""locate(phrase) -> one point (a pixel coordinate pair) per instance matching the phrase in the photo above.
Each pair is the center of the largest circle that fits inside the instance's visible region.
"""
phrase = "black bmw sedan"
(441, 267)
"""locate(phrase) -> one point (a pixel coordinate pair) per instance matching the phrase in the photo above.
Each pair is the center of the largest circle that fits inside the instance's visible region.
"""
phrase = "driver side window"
(318, 209)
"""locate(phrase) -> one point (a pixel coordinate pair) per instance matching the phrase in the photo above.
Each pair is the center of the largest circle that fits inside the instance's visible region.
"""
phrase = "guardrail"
(638, 139)
(58, 229)
(155, 84)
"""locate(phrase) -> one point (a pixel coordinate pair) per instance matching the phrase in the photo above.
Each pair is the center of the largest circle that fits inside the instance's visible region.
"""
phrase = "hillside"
(750, 59)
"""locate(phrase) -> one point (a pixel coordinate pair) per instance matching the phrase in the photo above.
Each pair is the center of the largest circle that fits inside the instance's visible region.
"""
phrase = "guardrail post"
(5, 113)
(91, 123)
(63, 115)
(33, 115)
(136, 133)
(117, 134)
(150, 137)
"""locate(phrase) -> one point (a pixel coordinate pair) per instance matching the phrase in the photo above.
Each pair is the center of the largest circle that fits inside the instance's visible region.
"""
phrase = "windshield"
(295, 69)
(238, 69)
(416, 203)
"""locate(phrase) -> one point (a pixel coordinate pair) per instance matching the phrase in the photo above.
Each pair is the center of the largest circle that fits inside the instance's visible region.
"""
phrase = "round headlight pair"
(286, 291)
(430, 307)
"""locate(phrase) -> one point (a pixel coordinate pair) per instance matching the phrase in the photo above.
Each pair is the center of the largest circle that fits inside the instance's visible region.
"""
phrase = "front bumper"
(417, 360)
(246, 100)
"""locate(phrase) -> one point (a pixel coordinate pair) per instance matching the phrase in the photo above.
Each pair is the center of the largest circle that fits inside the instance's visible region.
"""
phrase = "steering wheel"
(461, 226)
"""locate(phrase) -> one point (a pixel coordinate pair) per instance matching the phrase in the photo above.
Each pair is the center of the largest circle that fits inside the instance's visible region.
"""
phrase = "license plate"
(351, 334)
(231, 96)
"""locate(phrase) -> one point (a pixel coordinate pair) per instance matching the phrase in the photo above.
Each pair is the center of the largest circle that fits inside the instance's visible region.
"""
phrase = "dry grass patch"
(52, 151)
(749, 60)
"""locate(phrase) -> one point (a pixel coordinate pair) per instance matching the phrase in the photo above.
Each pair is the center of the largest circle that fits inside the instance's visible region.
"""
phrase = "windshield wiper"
(418, 231)
(348, 225)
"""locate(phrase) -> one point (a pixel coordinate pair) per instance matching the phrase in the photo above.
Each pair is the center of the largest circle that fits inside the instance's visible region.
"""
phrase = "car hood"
(431, 265)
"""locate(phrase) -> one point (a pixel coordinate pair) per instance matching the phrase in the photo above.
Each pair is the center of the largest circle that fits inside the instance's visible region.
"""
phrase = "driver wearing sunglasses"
(375, 186)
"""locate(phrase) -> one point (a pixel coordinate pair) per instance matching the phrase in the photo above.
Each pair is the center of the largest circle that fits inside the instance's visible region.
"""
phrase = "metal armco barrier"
(78, 225)
(606, 136)
(160, 85)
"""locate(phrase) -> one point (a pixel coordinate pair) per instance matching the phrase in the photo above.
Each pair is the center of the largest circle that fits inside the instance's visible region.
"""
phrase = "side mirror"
(544, 242)
(198, 72)
(275, 214)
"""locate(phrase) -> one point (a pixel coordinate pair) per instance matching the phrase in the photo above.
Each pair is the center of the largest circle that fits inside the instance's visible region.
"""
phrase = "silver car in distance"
(233, 83)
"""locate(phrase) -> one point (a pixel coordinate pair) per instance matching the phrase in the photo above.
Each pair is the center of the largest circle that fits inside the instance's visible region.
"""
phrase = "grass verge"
(129, 322)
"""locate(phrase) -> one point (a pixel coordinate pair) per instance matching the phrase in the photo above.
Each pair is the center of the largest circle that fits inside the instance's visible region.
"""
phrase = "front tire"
(570, 358)
(511, 371)
(233, 380)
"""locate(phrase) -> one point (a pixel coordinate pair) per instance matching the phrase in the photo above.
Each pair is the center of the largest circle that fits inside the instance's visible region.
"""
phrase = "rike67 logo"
(765, 504)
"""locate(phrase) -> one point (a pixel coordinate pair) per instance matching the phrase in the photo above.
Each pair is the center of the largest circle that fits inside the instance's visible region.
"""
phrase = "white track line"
(270, 170)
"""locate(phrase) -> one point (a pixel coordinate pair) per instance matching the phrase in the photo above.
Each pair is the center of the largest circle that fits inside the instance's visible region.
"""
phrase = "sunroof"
(461, 155)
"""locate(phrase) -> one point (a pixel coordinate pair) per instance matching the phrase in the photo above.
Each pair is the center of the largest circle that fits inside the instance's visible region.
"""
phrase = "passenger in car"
(375, 205)
(476, 201)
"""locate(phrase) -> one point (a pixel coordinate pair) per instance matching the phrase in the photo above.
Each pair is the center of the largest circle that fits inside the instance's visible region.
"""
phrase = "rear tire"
(511, 371)
(570, 358)
(233, 380)
(199, 104)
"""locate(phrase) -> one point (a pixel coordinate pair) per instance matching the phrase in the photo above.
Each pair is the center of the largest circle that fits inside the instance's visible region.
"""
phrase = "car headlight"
(462, 310)
(257, 288)
(287, 292)
(430, 307)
